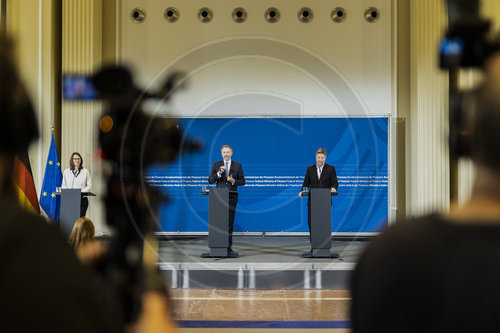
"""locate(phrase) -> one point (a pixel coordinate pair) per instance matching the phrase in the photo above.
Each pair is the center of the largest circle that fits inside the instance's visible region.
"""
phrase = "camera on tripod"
(131, 139)
(468, 41)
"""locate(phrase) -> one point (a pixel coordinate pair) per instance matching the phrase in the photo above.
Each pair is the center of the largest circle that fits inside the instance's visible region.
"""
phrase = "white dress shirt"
(228, 168)
(82, 180)
(319, 170)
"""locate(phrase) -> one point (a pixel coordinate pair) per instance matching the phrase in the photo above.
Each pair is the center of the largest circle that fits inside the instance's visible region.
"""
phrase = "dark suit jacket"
(236, 171)
(328, 178)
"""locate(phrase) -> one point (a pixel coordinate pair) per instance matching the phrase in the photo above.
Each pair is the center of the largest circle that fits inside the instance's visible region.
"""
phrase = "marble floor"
(195, 305)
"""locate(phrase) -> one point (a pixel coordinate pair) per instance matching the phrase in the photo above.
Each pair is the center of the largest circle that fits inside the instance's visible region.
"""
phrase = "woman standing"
(78, 177)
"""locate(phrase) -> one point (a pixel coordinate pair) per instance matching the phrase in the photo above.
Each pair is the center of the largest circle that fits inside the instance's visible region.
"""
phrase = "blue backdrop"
(275, 153)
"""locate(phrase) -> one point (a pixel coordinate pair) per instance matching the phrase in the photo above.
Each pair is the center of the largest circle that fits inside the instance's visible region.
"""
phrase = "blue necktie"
(227, 173)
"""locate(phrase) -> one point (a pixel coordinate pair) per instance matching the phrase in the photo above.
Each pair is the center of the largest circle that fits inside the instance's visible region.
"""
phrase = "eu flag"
(49, 201)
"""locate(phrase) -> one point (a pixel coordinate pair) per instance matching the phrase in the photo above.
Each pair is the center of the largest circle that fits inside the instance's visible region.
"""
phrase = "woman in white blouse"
(78, 177)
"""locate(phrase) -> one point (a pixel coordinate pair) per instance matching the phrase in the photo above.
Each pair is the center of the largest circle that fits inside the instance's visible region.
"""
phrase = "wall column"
(428, 186)
(82, 54)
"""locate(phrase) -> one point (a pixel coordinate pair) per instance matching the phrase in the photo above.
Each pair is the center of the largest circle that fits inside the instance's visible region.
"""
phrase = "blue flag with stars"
(49, 201)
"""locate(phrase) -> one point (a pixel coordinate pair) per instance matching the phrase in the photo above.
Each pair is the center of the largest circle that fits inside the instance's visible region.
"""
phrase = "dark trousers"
(309, 222)
(84, 204)
(233, 200)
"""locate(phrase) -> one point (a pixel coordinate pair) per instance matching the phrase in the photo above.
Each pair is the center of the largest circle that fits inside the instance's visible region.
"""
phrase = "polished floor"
(256, 249)
(269, 288)
(216, 310)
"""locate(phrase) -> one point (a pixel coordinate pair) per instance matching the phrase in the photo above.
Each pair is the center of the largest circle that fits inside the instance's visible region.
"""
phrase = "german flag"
(25, 185)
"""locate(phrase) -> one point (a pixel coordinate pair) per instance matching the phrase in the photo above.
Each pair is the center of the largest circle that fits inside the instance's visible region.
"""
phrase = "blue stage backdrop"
(275, 153)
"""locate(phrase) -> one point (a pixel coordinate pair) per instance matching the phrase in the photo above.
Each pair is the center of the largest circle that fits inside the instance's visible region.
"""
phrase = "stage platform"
(269, 262)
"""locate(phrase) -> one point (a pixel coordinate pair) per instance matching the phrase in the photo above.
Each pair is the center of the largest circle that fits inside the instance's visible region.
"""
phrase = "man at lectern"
(229, 174)
(319, 175)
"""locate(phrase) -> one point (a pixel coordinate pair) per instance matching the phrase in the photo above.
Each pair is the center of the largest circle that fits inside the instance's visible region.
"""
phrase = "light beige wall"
(428, 163)
(31, 24)
(401, 88)
(345, 72)
(82, 36)
(109, 30)
(491, 10)
(2, 17)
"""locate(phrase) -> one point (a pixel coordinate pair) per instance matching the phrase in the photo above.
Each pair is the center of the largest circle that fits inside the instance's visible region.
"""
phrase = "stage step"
(257, 275)
(272, 262)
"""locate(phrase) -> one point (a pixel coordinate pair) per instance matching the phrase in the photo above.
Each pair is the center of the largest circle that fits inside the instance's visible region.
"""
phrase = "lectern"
(321, 223)
(70, 207)
(218, 222)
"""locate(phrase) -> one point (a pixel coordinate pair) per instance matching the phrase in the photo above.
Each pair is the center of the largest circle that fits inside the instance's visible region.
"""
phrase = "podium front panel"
(70, 209)
(218, 220)
(321, 218)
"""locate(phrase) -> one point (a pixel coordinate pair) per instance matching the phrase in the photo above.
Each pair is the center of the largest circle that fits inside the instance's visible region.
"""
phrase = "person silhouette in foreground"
(441, 273)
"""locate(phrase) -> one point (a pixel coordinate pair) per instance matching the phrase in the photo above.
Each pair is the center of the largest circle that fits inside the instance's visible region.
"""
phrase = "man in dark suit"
(319, 175)
(229, 174)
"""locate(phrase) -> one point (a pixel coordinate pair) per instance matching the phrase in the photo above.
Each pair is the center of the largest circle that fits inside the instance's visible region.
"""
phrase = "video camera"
(131, 139)
(467, 42)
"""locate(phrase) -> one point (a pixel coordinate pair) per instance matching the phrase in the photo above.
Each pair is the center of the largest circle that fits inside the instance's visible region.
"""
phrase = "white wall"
(330, 68)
